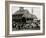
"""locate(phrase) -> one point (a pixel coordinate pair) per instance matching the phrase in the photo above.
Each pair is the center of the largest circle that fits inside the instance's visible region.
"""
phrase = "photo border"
(7, 18)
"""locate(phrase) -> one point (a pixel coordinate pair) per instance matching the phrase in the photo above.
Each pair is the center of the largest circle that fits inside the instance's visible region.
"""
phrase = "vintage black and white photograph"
(25, 18)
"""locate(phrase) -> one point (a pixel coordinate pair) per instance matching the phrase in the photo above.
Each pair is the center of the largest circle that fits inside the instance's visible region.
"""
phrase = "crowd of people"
(23, 25)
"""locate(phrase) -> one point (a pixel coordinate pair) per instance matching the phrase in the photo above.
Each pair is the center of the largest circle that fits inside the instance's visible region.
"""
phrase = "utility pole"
(32, 10)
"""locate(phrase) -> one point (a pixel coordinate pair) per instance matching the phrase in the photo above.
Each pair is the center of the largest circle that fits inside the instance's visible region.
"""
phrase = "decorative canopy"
(25, 13)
